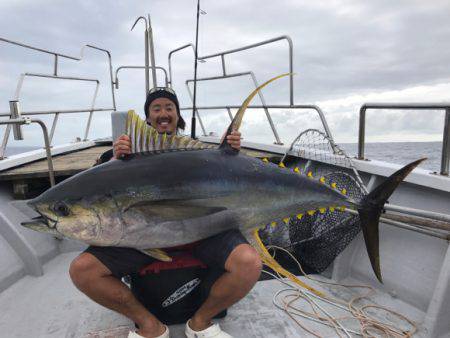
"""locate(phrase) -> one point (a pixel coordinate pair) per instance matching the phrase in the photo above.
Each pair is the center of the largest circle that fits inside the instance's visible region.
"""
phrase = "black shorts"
(212, 251)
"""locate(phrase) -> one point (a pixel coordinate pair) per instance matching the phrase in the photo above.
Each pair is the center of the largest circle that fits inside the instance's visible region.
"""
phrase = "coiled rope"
(369, 326)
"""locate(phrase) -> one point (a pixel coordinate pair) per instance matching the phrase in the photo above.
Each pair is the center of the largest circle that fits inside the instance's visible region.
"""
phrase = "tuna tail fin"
(370, 211)
(237, 120)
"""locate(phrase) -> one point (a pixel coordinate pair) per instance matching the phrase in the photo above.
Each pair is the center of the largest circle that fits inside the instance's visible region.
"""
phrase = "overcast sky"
(345, 53)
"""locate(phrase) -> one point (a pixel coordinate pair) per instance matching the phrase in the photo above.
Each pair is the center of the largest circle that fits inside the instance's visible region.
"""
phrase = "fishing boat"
(38, 299)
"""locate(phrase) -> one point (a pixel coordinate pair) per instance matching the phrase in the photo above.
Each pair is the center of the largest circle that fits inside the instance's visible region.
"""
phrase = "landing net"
(315, 240)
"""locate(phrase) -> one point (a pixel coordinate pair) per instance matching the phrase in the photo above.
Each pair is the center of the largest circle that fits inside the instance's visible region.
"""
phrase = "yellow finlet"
(265, 160)
(297, 170)
(311, 212)
(299, 216)
(281, 165)
(273, 224)
(333, 185)
(322, 210)
(286, 220)
(344, 191)
(310, 174)
(322, 179)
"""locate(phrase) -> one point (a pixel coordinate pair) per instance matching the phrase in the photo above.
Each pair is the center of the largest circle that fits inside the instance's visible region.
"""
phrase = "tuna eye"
(61, 209)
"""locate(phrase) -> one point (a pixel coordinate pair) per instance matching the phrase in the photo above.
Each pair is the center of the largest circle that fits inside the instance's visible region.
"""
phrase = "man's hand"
(234, 140)
(122, 146)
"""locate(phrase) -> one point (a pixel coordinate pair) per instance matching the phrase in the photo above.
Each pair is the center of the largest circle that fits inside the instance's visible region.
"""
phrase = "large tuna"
(162, 199)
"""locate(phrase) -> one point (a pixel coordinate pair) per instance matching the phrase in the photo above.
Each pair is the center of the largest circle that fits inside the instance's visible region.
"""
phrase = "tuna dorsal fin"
(145, 138)
(237, 120)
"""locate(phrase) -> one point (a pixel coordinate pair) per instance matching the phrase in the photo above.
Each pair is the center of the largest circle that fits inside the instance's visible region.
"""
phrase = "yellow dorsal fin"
(333, 185)
(299, 216)
(322, 179)
(265, 160)
(296, 170)
(286, 220)
(281, 165)
(273, 224)
(344, 191)
(310, 174)
(322, 210)
(332, 209)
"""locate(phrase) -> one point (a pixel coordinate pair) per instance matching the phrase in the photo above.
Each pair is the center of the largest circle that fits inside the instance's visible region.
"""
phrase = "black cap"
(168, 93)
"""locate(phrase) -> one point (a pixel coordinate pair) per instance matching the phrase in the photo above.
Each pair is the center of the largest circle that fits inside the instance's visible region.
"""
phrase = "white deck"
(50, 306)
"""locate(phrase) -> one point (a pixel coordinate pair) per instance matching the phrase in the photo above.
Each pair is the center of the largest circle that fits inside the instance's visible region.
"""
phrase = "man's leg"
(95, 280)
(242, 271)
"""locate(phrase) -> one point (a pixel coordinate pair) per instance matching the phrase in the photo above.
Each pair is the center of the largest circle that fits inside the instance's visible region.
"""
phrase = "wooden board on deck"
(72, 163)
(63, 165)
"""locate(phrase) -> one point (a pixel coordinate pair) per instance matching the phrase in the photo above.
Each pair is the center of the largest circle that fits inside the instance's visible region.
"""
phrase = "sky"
(346, 53)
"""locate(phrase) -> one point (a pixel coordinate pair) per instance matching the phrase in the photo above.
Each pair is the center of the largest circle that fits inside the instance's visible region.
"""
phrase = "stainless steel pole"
(445, 159)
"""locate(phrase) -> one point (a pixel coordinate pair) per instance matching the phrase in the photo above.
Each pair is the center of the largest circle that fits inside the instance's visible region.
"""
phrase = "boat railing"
(274, 106)
(260, 94)
(240, 49)
(445, 154)
(226, 75)
(116, 82)
(27, 121)
(16, 113)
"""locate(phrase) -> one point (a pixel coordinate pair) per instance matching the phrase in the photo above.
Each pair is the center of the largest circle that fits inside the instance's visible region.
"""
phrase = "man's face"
(163, 115)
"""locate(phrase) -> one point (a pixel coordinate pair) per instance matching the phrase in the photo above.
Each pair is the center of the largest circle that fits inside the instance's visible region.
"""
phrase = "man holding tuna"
(97, 272)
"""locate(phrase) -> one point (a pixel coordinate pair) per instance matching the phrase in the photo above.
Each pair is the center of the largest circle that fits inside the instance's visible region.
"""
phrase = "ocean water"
(400, 152)
(394, 152)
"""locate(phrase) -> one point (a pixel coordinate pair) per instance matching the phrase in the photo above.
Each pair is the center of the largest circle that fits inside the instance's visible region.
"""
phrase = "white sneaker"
(166, 334)
(212, 331)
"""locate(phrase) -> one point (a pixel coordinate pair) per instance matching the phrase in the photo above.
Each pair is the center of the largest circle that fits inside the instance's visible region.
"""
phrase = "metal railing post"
(362, 132)
(15, 114)
(151, 51)
(170, 58)
(110, 71)
(140, 67)
(445, 158)
(88, 124)
(46, 141)
(147, 69)
(445, 155)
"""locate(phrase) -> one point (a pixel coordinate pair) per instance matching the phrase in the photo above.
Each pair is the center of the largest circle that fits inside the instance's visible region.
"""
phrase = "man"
(97, 272)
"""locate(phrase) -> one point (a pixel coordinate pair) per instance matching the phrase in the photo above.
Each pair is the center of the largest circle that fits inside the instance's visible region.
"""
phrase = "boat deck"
(63, 165)
(50, 306)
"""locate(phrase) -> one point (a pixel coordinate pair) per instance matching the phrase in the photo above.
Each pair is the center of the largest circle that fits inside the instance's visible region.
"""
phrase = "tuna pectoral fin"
(172, 210)
(370, 211)
(158, 254)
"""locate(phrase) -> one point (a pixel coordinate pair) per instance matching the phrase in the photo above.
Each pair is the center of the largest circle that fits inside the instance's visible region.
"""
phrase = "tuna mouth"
(40, 221)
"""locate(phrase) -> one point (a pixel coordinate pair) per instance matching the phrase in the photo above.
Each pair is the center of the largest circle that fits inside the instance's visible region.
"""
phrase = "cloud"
(345, 53)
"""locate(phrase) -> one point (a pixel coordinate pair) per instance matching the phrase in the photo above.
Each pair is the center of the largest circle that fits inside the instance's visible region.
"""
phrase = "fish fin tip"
(158, 254)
